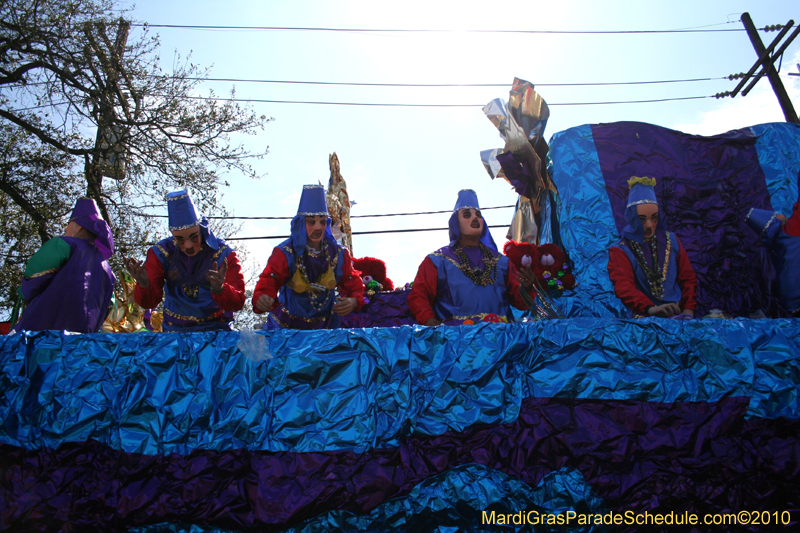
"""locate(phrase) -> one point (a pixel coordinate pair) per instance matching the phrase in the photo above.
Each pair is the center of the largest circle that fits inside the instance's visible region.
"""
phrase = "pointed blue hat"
(764, 223)
(642, 191)
(468, 199)
(183, 215)
(312, 203)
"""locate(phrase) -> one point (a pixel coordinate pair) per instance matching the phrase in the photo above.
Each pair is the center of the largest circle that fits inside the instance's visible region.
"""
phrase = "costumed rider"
(649, 268)
(469, 279)
(306, 269)
(199, 273)
(68, 282)
(781, 236)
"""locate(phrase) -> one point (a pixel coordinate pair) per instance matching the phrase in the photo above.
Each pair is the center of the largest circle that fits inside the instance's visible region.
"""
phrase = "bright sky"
(408, 159)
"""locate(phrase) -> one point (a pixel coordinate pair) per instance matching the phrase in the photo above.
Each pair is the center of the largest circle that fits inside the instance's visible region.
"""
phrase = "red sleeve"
(232, 296)
(621, 273)
(351, 285)
(275, 274)
(792, 226)
(687, 280)
(150, 297)
(423, 293)
(513, 287)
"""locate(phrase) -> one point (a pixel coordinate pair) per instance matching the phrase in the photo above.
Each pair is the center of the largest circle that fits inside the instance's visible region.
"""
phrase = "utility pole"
(768, 68)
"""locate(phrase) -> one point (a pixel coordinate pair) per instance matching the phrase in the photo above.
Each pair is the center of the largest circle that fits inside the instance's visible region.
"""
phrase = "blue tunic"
(785, 251)
(188, 301)
(667, 248)
(459, 298)
(303, 307)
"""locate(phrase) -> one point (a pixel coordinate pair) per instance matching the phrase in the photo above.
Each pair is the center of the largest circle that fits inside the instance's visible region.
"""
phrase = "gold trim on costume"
(481, 316)
(488, 266)
(766, 226)
(667, 252)
(640, 257)
(649, 182)
(293, 317)
(162, 250)
(187, 226)
(437, 254)
(174, 198)
(43, 273)
(761, 234)
(219, 252)
(642, 202)
(218, 314)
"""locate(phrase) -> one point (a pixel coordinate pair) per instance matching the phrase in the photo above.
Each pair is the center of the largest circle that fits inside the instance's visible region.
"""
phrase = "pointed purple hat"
(86, 214)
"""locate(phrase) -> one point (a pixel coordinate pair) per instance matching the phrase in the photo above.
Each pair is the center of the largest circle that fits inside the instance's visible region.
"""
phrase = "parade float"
(398, 427)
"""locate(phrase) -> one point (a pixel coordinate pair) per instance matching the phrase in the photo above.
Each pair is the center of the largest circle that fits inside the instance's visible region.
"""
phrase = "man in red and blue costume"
(298, 285)
(68, 283)
(199, 273)
(469, 279)
(781, 236)
(649, 268)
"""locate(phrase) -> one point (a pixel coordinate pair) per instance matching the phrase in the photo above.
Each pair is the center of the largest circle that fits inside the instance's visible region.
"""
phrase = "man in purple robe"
(68, 282)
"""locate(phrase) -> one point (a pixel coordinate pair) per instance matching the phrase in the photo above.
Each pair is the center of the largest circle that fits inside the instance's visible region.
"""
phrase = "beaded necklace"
(483, 276)
(316, 290)
(655, 278)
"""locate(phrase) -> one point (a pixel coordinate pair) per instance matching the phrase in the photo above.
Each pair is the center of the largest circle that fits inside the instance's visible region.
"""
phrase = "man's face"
(71, 229)
(315, 228)
(648, 214)
(189, 240)
(470, 222)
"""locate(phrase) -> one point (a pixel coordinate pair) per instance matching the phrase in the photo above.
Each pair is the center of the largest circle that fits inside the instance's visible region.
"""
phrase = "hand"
(345, 306)
(432, 322)
(216, 276)
(689, 312)
(138, 272)
(664, 311)
(265, 303)
(526, 277)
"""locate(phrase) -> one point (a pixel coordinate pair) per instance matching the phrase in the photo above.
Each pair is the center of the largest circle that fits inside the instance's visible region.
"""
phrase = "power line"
(423, 85)
(431, 85)
(268, 237)
(427, 212)
(351, 216)
(370, 104)
(388, 30)
(634, 101)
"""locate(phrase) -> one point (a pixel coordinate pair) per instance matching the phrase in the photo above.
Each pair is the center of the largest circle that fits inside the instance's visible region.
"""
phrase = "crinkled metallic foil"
(361, 389)
(112, 432)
